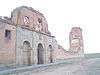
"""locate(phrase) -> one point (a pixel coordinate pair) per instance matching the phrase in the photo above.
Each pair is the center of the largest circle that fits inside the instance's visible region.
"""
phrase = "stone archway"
(26, 53)
(40, 54)
(50, 60)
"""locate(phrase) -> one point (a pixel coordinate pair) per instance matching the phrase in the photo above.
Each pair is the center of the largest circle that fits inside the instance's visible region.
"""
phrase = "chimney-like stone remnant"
(76, 41)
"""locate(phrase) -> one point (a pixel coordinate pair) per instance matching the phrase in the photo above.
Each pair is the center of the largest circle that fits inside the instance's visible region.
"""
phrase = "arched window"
(39, 24)
(26, 20)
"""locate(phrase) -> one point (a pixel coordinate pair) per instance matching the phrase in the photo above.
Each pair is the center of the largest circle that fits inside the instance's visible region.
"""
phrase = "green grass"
(92, 55)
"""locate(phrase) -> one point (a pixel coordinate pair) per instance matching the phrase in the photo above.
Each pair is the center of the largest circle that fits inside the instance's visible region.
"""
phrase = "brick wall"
(7, 46)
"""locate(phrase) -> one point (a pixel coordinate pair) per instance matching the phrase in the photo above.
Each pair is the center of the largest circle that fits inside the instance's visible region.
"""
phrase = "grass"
(92, 55)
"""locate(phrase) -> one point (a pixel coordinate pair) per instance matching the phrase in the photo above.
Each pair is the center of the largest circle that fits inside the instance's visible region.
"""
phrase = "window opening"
(7, 34)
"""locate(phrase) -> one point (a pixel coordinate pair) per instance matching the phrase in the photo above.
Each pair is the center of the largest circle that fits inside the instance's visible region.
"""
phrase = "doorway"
(26, 53)
(50, 60)
(40, 53)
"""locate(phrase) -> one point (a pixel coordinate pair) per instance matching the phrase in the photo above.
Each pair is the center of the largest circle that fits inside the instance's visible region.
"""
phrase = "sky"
(62, 15)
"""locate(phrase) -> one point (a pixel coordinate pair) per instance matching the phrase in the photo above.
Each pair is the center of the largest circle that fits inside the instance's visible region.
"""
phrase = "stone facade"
(25, 40)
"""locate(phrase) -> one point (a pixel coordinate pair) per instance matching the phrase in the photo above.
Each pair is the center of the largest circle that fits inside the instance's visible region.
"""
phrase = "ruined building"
(76, 48)
(26, 40)
(76, 40)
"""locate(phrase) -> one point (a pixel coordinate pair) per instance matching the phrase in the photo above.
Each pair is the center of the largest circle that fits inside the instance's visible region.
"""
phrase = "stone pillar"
(35, 60)
(46, 56)
(19, 57)
(31, 56)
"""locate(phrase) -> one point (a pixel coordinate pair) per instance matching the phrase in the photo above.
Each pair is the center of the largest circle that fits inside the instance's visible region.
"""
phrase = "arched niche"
(40, 54)
(26, 53)
(49, 53)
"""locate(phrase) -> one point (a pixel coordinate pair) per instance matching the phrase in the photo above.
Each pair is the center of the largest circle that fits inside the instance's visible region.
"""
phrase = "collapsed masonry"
(76, 40)
(76, 45)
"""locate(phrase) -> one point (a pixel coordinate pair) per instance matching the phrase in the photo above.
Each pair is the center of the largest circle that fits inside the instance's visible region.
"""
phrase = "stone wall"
(61, 53)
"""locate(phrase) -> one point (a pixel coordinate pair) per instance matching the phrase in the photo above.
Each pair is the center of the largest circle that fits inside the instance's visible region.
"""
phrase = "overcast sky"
(62, 15)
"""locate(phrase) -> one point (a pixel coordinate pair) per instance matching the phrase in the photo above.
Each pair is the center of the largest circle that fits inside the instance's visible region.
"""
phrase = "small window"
(39, 20)
(39, 24)
(7, 34)
(26, 20)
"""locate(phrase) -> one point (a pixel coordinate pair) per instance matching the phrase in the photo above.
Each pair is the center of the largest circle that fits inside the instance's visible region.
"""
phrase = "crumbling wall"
(76, 48)
(76, 41)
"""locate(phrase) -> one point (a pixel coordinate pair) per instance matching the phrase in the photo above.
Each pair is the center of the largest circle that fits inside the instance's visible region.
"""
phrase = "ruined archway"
(40, 54)
(50, 60)
(26, 53)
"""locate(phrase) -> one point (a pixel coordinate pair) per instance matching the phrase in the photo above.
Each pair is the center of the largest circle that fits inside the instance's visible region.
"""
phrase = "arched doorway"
(50, 60)
(40, 53)
(26, 53)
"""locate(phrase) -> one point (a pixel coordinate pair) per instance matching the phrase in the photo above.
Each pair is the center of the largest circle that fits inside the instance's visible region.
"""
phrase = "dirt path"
(86, 67)
(83, 67)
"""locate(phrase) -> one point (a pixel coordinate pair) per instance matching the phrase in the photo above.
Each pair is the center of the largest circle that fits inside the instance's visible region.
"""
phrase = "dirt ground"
(84, 67)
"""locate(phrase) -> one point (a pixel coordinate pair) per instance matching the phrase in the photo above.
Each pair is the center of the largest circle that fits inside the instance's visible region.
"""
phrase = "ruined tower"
(76, 41)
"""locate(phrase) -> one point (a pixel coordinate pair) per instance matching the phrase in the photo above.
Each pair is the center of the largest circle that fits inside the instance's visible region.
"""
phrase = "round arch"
(26, 53)
(40, 54)
(49, 52)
